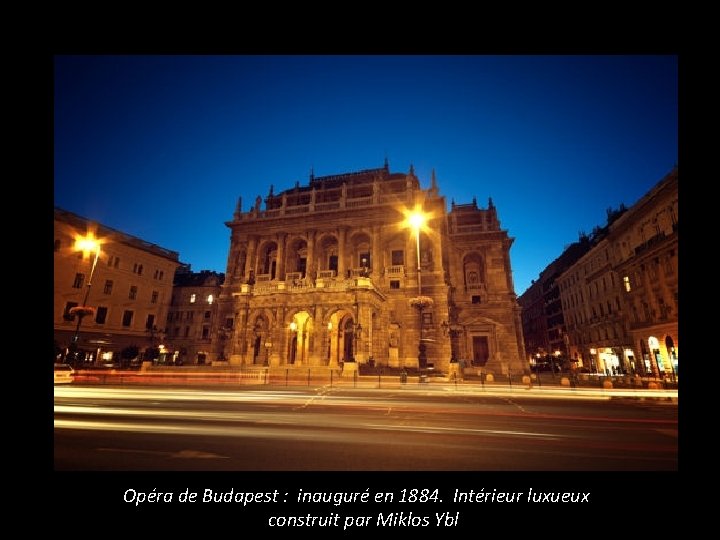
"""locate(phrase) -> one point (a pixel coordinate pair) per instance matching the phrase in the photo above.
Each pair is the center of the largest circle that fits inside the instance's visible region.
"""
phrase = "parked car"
(64, 374)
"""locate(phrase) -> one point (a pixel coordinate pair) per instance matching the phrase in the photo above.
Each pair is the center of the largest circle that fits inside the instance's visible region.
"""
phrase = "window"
(394, 283)
(364, 260)
(140, 269)
(108, 286)
(210, 298)
(66, 314)
(475, 299)
(193, 297)
(154, 297)
(117, 262)
(110, 260)
(127, 318)
(626, 283)
(177, 331)
(187, 331)
(135, 268)
(79, 280)
(229, 323)
(207, 314)
(133, 293)
(101, 315)
(189, 315)
(155, 275)
(333, 263)
(398, 257)
(150, 322)
(57, 245)
(206, 332)
(160, 276)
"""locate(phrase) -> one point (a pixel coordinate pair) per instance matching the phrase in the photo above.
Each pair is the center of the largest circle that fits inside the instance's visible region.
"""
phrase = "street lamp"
(85, 244)
(416, 220)
(293, 349)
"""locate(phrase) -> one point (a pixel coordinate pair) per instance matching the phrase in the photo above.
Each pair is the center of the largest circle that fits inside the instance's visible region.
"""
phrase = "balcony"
(397, 270)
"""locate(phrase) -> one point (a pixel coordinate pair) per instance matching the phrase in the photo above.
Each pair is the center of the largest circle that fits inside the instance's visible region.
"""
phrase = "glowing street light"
(85, 244)
(416, 220)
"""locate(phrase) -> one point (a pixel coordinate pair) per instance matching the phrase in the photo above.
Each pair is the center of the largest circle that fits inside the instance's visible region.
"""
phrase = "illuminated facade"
(645, 243)
(192, 315)
(620, 299)
(591, 293)
(326, 274)
(129, 293)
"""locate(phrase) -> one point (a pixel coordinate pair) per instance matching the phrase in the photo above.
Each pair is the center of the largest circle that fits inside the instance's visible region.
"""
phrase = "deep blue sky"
(162, 146)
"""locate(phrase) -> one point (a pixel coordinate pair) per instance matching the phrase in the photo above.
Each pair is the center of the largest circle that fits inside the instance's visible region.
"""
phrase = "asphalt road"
(148, 428)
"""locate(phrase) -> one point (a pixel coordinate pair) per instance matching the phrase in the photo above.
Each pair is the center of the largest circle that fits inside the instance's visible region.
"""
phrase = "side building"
(621, 298)
(368, 268)
(645, 243)
(113, 295)
(192, 315)
(543, 318)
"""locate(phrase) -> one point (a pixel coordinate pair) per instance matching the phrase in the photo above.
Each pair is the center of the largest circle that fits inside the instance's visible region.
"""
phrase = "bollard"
(331, 377)
(355, 379)
(287, 374)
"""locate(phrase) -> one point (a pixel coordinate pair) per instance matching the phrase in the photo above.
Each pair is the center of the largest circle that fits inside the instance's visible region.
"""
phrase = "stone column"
(250, 259)
(310, 269)
(375, 255)
(341, 252)
(280, 267)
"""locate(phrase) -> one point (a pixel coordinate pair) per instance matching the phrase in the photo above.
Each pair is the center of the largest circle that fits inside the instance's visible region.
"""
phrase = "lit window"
(192, 298)
(626, 282)
(210, 299)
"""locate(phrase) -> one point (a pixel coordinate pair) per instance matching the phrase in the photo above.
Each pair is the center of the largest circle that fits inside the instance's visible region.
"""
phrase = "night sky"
(161, 147)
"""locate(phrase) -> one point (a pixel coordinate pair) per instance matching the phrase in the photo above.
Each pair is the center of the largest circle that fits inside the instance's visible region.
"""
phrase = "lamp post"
(293, 347)
(416, 220)
(85, 244)
(268, 346)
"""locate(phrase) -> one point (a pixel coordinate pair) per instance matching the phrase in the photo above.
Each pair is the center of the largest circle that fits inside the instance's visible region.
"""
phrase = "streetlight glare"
(87, 243)
(416, 220)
